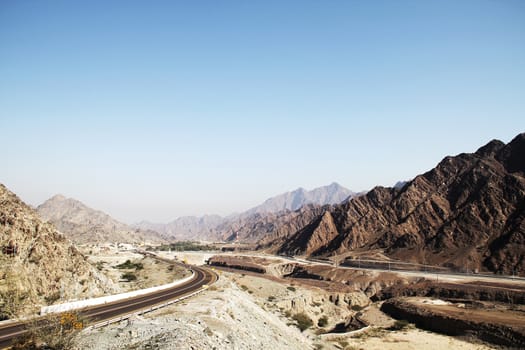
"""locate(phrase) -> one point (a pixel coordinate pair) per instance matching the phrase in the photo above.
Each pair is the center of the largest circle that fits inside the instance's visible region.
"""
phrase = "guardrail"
(147, 310)
(79, 304)
(141, 312)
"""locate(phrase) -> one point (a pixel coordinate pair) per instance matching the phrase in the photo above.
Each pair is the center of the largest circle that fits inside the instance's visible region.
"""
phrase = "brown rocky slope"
(39, 266)
(467, 212)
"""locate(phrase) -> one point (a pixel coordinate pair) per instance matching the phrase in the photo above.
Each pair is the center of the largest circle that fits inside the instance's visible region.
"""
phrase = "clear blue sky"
(157, 109)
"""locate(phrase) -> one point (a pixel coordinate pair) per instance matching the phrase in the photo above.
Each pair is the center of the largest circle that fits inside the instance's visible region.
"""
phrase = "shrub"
(323, 321)
(399, 325)
(356, 307)
(271, 298)
(291, 288)
(129, 276)
(129, 265)
(50, 299)
(303, 321)
(185, 246)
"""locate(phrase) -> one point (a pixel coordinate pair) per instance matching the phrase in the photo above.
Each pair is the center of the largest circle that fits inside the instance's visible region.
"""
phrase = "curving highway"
(96, 314)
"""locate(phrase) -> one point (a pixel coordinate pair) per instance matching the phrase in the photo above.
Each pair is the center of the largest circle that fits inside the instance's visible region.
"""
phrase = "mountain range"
(331, 194)
(214, 227)
(468, 211)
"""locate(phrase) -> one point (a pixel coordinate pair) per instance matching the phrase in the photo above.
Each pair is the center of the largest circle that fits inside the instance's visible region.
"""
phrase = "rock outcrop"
(40, 265)
(319, 233)
(467, 213)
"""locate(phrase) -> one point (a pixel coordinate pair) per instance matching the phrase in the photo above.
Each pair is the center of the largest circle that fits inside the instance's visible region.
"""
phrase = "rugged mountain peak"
(490, 149)
(58, 198)
(512, 155)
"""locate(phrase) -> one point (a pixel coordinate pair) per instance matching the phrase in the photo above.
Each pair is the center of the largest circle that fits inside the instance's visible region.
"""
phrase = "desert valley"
(434, 262)
(262, 175)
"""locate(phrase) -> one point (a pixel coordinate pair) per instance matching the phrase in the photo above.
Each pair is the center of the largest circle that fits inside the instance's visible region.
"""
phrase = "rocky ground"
(498, 323)
(246, 310)
(152, 272)
(224, 317)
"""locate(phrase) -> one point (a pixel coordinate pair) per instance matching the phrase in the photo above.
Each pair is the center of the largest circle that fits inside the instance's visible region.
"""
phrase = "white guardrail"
(79, 304)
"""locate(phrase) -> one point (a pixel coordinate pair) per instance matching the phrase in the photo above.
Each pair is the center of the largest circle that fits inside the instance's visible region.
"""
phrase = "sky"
(160, 109)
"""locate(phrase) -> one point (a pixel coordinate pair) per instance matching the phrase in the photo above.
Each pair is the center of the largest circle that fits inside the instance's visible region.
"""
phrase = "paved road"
(111, 310)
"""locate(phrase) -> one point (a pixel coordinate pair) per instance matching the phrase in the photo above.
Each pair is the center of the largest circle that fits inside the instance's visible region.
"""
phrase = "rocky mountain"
(467, 212)
(82, 224)
(39, 264)
(267, 227)
(331, 194)
(187, 227)
(255, 223)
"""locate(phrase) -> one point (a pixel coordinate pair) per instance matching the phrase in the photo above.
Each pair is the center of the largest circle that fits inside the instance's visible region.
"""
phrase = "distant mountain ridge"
(83, 224)
(331, 194)
(214, 227)
(186, 227)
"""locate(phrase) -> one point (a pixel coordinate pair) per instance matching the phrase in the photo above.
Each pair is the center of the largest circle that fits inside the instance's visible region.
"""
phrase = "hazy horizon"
(161, 110)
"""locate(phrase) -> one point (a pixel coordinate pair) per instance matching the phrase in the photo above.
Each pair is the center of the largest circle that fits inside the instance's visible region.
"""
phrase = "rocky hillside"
(467, 213)
(267, 227)
(82, 224)
(39, 265)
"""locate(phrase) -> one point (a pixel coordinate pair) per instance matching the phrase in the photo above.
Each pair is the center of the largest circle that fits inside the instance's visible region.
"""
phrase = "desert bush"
(399, 325)
(50, 299)
(356, 307)
(129, 276)
(184, 246)
(323, 321)
(303, 321)
(52, 332)
(291, 288)
(130, 265)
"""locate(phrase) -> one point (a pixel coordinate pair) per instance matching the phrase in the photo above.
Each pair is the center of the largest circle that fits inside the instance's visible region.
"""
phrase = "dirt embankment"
(354, 289)
(503, 327)
(321, 276)
(237, 262)
(493, 292)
